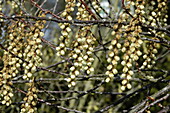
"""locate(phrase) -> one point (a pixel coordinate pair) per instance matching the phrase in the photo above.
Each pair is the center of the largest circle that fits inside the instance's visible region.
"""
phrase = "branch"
(52, 71)
(153, 103)
(73, 22)
(88, 9)
(47, 103)
(140, 105)
(80, 95)
(85, 92)
(60, 107)
(163, 91)
(44, 10)
(1, 46)
(80, 22)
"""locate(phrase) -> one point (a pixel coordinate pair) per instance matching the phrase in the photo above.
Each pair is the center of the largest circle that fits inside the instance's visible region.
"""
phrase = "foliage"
(84, 56)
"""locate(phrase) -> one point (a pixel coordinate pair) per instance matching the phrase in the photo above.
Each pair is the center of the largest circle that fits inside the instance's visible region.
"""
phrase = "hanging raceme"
(132, 40)
(23, 44)
(65, 38)
(149, 56)
(96, 6)
(131, 52)
(155, 14)
(32, 55)
(132, 44)
(83, 48)
(30, 100)
(32, 51)
(113, 57)
(12, 64)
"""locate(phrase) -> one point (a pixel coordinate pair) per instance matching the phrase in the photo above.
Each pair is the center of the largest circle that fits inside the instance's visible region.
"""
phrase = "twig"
(88, 9)
(73, 22)
(45, 11)
(79, 92)
(153, 103)
(140, 105)
(52, 71)
(60, 107)
(126, 97)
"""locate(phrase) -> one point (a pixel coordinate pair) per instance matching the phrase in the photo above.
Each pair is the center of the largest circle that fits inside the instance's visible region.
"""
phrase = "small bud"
(113, 33)
(113, 42)
(111, 54)
(124, 82)
(72, 68)
(75, 56)
(73, 83)
(123, 49)
(72, 76)
(114, 62)
(91, 69)
(68, 79)
(155, 51)
(129, 86)
(111, 75)
(29, 75)
(118, 45)
(123, 88)
(130, 72)
(107, 80)
(123, 63)
(109, 67)
(114, 71)
(145, 63)
(125, 69)
(139, 53)
(117, 58)
(128, 77)
(77, 72)
(129, 64)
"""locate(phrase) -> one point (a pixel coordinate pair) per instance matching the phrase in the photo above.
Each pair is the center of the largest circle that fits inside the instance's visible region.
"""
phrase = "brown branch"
(80, 22)
(163, 91)
(58, 63)
(49, 43)
(80, 92)
(45, 11)
(47, 103)
(88, 9)
(159, 93)
(52, 71)
(1, 46)
(126, 10)
(73, 22)
(165, 109)
(153, 103)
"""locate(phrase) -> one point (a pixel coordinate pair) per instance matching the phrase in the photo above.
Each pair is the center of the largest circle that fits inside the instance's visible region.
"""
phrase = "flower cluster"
(1, 5)
(82, 48)
(23, 44)
(149, 56)
(32, 56)
(32, 51)
(5, 91)
(113, 57)
(64, 38)
(96, 6)
(130, 33)
(157, 12)
(12, 64)
(30, 101)
(132, 44)
(14, 4)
